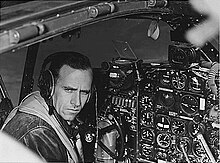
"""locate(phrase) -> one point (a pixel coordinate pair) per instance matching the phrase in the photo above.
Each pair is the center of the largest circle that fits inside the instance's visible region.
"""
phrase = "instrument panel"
(162, 111)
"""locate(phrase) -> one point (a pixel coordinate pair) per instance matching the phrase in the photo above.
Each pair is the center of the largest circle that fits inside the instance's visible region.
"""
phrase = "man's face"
(72, 91)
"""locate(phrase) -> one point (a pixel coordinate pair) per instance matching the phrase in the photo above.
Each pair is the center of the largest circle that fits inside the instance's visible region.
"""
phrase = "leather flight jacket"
(47, 135)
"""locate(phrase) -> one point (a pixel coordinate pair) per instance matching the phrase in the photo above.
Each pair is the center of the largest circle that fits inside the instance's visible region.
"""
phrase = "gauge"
(167, 99)
(198, 149)
(117, 78)
(148, 135)
(178, 80)
(192, 159)
(216, 142)
(195, 128)
(183, 143)
(195, 84)
(146, 150)
(211, 100)
(189, 104)
(146, 102)
(163, 140)
(165, 78)
(210, 135)
(162, 122)
(148, 87)
(178, 127)
(147, 118)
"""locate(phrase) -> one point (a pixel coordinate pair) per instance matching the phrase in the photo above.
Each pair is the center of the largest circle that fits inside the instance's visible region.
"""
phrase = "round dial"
(211, 100)
(162, 122)
(148, 87)
(195, 84)
(146, 102)
(198, 149)
(163, 140)
(216, 142)
(148, 135)
(147, 118)
(178, 127)
(178, 80)
(146, 150)
(211, 134)
(189, 104)
(195, 128)
(117, 78)
(167, 99)
(183, 143)
(192, 159)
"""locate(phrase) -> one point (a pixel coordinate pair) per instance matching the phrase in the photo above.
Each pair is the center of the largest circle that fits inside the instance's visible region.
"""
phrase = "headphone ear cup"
(46, 84)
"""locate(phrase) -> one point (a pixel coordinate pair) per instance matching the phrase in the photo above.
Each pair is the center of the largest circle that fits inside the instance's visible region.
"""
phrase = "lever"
(184, 152)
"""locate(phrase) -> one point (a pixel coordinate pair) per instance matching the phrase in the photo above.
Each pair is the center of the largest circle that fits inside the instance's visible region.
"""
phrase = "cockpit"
(155, 99)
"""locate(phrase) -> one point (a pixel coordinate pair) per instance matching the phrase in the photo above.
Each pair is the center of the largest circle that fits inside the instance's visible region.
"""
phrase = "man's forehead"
(70, 75)
(66, 70)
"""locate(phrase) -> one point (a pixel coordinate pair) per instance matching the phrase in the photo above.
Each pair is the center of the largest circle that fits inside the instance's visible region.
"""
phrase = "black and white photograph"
(115, 81)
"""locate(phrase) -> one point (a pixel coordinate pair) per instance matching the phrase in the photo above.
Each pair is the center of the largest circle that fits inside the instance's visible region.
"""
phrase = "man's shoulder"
(23, 123)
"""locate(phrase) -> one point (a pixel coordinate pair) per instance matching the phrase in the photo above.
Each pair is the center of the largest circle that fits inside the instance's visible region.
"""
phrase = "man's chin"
(69, 117)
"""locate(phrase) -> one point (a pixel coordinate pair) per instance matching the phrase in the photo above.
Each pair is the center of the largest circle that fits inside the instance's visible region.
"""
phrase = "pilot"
(44, 121)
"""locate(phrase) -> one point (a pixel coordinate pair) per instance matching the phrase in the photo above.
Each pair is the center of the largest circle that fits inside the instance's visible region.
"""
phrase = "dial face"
(117, 78)
(146, 150)
(183, 143)
(162, 122)
(178, 56)
(148, 87)
(148, 135)
(147, 118)
(192, 159)
(211, 134)
(167, 99)
(178, 127)
(216, 142)
(198, 149)
(189, 104)
(195, 84)
(178, 80)
(146, 102)
(211, 100)
(163, 140)
(195, 128)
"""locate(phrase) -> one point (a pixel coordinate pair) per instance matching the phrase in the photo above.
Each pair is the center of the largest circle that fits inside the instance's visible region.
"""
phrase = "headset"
(46, 80)
(46, 84)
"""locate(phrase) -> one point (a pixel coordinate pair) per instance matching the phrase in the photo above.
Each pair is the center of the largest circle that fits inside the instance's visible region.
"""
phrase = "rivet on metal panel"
(14, 37)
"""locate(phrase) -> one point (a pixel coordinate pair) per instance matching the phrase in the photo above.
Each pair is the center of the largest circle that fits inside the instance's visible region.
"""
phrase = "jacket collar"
(34, 100)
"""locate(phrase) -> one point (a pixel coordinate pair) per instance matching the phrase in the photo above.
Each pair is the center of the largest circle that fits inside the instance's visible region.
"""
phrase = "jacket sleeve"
(46, 143)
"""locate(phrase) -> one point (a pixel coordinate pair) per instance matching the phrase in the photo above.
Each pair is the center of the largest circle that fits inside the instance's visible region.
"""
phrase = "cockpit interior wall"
(11, 70)
(96, 41)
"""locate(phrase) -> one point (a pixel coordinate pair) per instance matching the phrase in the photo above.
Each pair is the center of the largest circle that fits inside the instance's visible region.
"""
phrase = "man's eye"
(68, 90)
(84, 93)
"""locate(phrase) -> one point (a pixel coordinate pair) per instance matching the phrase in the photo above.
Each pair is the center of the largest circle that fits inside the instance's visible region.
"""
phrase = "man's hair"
(73, 59)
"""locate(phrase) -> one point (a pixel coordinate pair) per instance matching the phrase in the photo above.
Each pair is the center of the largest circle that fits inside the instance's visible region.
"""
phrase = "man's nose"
(75, 98)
